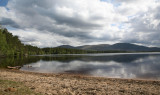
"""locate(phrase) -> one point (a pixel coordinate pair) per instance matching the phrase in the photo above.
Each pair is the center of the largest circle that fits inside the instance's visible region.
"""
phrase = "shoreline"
(75, 75)
(81, 75)
(73, 84)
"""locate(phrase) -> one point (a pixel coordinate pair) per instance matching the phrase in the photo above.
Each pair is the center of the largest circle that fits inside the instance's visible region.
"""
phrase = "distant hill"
(100, 47)
(116, 47)
(66, 46)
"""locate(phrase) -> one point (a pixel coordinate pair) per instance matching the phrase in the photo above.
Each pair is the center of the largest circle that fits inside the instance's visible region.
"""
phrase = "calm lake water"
(114, 65)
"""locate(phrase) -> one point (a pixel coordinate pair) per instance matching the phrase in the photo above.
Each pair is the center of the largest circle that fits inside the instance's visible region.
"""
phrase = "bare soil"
(67, 84)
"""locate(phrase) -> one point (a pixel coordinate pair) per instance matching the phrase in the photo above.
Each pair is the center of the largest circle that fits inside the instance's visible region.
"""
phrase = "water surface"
(115, 65)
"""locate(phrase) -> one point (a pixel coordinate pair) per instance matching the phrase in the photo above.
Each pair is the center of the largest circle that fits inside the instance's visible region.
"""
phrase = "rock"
(122, 90)
(48, 93)
(32, 88)
(11, 89)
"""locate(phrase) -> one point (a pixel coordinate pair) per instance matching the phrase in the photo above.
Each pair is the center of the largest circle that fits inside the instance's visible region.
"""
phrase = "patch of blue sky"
(10, 28)
(121, 25)
(112, 2)
(3, 2)
(131, 17)
(106, 0)
(113, 24)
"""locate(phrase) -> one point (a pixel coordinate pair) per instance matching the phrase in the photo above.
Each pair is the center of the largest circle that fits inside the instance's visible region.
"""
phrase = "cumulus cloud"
(83, 22)
(43, 39)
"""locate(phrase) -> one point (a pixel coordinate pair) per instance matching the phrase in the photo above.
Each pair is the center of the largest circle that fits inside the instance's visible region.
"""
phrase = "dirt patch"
(65, 84)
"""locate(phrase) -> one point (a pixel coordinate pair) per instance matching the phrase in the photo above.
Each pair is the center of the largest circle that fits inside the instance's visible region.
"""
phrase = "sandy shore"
(66, 84)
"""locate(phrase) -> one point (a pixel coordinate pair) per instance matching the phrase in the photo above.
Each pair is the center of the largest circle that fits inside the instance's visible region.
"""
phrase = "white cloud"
(78, 22)
(46, 39)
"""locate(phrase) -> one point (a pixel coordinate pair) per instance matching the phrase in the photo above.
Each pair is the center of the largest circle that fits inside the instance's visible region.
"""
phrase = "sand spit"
(66, 84)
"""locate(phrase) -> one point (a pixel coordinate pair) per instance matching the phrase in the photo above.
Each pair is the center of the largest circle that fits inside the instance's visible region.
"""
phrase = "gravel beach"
(69, 84)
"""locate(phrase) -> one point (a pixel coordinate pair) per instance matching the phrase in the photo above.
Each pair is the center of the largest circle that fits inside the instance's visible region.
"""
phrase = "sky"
(50, 23)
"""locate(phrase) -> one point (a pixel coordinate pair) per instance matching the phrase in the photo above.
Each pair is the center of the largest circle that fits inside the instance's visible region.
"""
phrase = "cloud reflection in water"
(143, 66)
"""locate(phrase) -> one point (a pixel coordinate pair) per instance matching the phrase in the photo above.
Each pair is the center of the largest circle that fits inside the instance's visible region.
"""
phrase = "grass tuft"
(14, 88)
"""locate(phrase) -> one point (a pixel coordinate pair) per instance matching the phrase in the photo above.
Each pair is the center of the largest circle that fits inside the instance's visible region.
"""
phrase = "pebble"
(10, 89)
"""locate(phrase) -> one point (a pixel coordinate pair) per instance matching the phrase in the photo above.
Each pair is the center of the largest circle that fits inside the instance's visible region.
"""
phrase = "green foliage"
(18, 61)
(3, 43)
(74, 51)
(63, 51)
(11, 45)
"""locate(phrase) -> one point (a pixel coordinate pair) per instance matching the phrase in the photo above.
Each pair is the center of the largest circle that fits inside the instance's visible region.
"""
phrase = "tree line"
(11, 46)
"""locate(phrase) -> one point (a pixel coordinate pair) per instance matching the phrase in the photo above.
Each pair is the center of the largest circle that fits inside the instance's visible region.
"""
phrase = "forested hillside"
(64, 51)
(11, 45)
